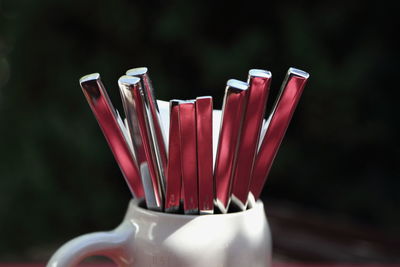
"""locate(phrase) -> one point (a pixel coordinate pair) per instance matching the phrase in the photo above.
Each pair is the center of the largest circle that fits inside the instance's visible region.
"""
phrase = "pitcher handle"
(112, 244)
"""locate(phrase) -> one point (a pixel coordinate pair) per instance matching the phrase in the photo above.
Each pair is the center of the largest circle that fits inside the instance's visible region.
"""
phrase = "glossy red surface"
(155, 120)
(150, 157)
(187, 123)
(257, 95)
(278, 123)
(105, 114)
(155, 131)
(174, 169)
(127, 86)
(233, 110)
(204, 109)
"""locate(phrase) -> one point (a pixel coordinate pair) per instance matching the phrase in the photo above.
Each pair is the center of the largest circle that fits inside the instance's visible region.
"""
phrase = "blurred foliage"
(58, 178)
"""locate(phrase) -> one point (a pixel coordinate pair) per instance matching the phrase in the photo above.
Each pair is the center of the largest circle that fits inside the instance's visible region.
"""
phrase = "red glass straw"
(187, 124)
(232, 116)
(277, 124)
(204, 109)
(257, 94)
(174, 170)
(107, 118)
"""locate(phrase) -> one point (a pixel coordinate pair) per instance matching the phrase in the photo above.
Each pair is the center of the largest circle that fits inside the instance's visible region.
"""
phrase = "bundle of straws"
(208, 161)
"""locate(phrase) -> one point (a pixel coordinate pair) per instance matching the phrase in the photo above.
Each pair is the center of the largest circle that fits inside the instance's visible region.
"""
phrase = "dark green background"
(58, 178)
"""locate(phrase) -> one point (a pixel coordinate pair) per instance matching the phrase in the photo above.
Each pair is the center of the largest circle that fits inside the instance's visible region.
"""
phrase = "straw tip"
(260, 73)
(137, 71)
(175, 101)
(128, 80)
(204, 97)
(237, 84)
(89, 78)
(185, 102)
(299, 73)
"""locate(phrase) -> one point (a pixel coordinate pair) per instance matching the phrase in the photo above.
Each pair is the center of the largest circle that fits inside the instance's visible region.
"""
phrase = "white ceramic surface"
(148, 238)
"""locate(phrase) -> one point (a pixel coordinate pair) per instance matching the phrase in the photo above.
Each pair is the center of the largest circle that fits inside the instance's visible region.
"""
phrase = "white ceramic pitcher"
(147, 238)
